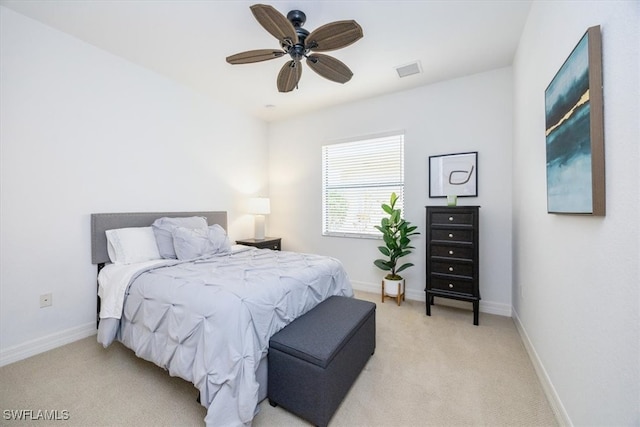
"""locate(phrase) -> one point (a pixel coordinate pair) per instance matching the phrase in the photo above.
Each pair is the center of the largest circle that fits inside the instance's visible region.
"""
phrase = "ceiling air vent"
(409, 69)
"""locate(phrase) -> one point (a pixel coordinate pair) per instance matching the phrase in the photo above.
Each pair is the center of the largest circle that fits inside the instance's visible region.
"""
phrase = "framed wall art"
(453, 175)
(575, 131)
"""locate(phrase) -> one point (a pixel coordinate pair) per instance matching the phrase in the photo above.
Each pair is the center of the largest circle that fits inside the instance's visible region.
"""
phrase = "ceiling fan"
(298, 43)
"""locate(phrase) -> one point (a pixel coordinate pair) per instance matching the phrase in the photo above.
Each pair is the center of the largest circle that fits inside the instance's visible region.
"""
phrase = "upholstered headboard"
(101, 222)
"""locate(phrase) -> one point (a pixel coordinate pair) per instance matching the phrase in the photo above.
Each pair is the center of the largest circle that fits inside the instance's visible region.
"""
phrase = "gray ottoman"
(315, 359)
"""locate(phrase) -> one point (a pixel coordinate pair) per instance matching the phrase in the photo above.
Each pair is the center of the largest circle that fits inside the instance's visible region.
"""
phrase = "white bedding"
(113, 281)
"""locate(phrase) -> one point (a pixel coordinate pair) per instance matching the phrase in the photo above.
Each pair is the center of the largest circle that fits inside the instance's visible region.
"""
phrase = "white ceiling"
(188, 41)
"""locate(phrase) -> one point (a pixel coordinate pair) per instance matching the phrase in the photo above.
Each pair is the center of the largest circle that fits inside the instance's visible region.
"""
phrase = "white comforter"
(209, 321)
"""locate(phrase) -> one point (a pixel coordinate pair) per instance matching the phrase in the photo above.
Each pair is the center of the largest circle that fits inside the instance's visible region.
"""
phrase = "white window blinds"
(358, 177)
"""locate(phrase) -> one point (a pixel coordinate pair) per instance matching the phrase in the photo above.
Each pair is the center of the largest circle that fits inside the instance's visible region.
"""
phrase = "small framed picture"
(453, 175)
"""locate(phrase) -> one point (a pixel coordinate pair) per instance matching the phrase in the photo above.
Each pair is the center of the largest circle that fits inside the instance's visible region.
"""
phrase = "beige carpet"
(439, 371)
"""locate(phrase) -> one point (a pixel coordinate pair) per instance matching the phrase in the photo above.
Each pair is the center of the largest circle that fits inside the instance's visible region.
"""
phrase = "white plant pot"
(391, 287)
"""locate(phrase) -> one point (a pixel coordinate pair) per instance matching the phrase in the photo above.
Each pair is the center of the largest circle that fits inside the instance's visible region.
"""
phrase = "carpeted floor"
(426, 371)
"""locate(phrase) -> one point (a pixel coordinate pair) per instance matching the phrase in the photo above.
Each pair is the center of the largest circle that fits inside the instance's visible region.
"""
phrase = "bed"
(206, 316)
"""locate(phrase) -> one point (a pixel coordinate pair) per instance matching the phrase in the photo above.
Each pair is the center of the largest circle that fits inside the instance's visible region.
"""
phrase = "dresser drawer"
(462, 252)
(275, 246)
(458, 269)
(452, 285)
(452, 235)
(454, 218)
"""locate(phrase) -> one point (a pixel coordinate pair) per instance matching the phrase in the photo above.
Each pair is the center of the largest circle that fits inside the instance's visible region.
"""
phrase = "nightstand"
(272, 243)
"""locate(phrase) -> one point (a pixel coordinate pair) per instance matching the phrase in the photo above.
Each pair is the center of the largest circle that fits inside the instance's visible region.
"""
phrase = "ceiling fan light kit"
(300, 44)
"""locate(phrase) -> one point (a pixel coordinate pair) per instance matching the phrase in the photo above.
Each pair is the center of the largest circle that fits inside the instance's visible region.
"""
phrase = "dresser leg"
(476, 307)
(429, 301)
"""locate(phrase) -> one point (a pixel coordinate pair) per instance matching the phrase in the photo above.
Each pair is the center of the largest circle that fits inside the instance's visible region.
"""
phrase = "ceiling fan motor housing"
(298, 50)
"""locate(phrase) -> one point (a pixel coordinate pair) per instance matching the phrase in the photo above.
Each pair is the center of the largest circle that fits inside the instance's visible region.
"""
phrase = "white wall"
(576, 278)
(84, 131)
(467, 114)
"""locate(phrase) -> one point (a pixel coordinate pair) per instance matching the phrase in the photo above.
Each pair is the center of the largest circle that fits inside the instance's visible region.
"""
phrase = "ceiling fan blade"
(329, 68)
(289, 76)
(254, 56)
(334, 35)
(275, 23)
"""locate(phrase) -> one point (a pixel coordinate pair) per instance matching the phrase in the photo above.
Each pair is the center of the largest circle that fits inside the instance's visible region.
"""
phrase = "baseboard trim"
(549, 390)
(485, 306)
(49, 342)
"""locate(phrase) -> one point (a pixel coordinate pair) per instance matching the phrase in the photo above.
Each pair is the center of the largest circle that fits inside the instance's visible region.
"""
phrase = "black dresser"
(452, 255)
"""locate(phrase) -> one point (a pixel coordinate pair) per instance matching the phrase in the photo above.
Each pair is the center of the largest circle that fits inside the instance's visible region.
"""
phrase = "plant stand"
(389, 291)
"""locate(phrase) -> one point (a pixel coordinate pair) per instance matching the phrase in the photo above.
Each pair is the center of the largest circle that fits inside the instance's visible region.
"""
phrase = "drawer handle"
(451, 235)
(450, 252)
(450, 218)
(450, 268)
(451, 285)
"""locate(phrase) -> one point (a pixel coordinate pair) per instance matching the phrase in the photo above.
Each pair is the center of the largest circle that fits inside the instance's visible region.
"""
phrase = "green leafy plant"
(395, 233)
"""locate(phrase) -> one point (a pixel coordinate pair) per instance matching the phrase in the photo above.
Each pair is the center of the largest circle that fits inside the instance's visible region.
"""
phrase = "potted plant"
(397, 244)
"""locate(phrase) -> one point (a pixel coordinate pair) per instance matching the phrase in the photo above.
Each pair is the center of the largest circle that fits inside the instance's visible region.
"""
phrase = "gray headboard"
(101, 222)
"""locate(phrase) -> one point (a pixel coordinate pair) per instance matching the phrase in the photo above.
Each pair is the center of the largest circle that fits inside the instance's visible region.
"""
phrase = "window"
(358, 177)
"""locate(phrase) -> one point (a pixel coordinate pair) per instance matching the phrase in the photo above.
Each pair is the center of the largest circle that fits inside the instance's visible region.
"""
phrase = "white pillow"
(193, 243)
(131, 245)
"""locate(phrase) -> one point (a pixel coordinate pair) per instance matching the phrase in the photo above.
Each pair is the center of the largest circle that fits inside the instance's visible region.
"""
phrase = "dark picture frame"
(574, 119)
(453, 175)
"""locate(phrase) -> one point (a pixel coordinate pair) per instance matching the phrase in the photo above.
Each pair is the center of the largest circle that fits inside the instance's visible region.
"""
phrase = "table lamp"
(259, 207)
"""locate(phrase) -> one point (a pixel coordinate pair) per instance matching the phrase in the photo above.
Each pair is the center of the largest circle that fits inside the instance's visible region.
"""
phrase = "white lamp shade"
(259, 206)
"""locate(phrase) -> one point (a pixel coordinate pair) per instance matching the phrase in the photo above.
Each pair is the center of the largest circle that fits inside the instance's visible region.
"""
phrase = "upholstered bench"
(315, 359)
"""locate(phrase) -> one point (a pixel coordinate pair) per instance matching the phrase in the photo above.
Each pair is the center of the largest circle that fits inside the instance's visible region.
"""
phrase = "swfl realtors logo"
(35, 415)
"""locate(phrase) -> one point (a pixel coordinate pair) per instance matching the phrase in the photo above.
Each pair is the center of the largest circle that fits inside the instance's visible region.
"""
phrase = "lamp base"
(259, 227)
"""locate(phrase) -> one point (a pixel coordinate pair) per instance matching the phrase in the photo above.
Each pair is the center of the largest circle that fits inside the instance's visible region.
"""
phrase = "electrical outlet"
(46, 300)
